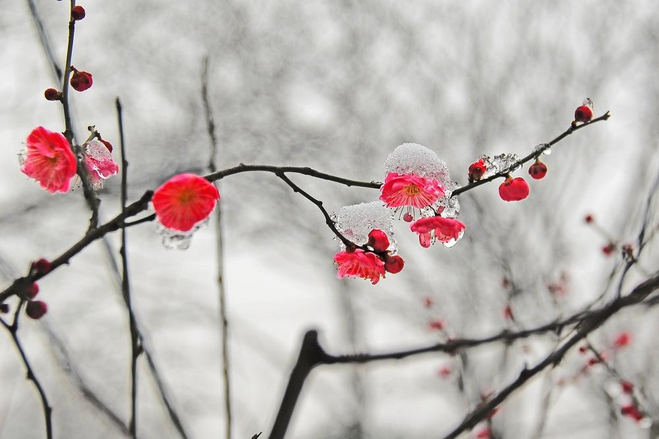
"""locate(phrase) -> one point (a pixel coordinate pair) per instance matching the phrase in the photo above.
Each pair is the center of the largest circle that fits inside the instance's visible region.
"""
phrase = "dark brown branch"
(13, 331)
(224, 321)
(125, 283)
(311, 355)
(531, 156)
(587, 325)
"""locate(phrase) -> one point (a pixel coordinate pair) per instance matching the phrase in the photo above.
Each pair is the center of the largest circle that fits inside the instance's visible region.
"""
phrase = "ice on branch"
(182, 204)
(499, 163)
(355, 222)
(99, 163)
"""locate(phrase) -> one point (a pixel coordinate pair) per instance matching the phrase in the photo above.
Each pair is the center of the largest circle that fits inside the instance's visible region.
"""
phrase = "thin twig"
(125, 284)
(13, 331)
(532, 155)
(224, 322)
(45, 41)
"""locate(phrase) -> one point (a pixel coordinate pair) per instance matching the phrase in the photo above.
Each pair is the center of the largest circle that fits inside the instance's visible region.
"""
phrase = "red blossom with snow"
(446, 230)
(410, 190)
(184, 201)
(359, 263)
(49, 160)
(514, 189)
(98, 161)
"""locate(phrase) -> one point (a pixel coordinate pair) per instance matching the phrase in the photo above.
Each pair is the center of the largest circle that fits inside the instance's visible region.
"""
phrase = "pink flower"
(446, 230)
(99, 163)
(183, 201)
(49, 160)
(410, 190)
(359, 263)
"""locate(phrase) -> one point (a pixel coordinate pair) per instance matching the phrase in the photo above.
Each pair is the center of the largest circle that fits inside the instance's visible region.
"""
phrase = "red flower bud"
(378, 240)
(52, 95)
(408, 217)
(32, 290)
(608, 249)
(41, 266)
(583, 114)
(36, 309)
(78, 13)
(476, 170)
(589, 219)
(80, 80)
(394, 264)
(538, 170)
(514, 189)
(627, 387)
(436, 325)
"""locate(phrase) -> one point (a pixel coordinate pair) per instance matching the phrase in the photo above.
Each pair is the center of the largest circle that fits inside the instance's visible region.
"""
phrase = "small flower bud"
(52, 95)
(608, 249)
(36, 309)
(378, 240)
(394, 264)
(80, 80)
(78, 13)
(476, 170)
(589, 218)
(41, 266)
(538, 170)
(408, 217)
(436, 325)
(514, 189)
(32, 290)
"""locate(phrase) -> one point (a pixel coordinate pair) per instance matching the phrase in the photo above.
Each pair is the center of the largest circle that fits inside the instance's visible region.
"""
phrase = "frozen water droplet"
(588, 102)
(357, 221)
(412, 158)
(450, 243)
(645, 423)
(21, 158)
(547, 151)
(449, 207)
(176, 239)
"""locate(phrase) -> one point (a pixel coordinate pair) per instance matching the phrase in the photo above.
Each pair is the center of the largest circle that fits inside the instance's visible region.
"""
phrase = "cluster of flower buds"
(370, 262)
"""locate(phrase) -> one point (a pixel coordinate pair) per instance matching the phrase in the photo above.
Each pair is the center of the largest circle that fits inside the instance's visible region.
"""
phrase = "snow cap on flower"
(446, 230)
(183, 201)
(49, 160)
(99, 162)
(412, 158)
(359, 263)
(416, 177)
(356, 221)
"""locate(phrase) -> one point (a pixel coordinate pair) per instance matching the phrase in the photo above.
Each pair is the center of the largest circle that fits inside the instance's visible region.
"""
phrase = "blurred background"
(336, 86)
